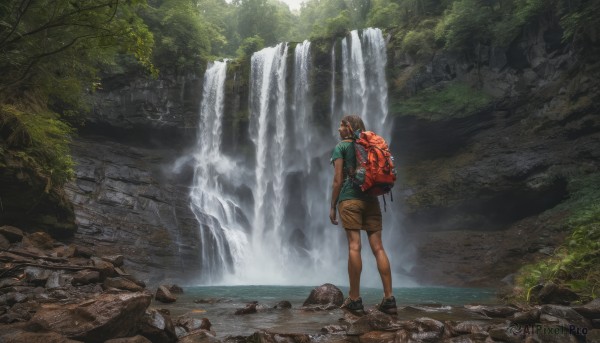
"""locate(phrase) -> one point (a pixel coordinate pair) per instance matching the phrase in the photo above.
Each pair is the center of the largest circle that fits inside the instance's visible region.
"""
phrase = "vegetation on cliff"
(576, 263)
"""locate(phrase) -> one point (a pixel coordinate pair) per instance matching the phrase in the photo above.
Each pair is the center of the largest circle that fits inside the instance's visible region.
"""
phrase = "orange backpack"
(375, 172)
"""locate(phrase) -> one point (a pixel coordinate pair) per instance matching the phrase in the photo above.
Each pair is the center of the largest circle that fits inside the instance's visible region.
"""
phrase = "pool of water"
(218, 304)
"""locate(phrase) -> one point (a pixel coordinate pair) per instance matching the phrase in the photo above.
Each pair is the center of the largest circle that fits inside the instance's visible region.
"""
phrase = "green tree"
(50, 54)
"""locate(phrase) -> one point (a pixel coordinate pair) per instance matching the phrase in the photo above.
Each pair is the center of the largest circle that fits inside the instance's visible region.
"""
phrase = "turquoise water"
(218, 304)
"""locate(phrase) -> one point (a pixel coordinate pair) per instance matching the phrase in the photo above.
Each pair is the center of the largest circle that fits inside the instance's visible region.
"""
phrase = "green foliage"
(249, 46)
(583, 23)
(419, 43)
(465, 25)
(576, 263)
(184, 40)
(336, 26)
(454, 100)
(384, 16)
(40, 140)
(271, 20)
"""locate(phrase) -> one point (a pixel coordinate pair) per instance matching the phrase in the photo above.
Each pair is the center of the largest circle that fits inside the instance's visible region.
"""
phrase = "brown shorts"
(358, 214)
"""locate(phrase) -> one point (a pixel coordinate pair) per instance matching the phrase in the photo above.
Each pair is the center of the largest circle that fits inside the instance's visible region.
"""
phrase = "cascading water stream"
(288, 238)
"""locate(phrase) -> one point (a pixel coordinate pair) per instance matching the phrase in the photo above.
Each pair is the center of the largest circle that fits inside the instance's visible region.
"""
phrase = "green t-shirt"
(345, 150)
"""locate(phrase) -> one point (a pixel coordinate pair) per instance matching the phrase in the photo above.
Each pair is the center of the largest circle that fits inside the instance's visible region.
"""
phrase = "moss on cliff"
(576, 263)
(451, 100)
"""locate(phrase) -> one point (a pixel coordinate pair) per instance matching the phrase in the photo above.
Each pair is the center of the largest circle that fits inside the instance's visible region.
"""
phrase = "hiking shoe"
(388, 305)
(354, 306)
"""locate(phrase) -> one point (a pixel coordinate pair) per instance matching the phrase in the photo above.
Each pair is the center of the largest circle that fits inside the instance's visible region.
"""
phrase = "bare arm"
(336, 188)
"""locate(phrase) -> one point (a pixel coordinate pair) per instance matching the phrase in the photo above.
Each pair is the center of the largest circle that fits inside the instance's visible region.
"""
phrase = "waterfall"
(288, 238)
(216, 212)
(364, 83)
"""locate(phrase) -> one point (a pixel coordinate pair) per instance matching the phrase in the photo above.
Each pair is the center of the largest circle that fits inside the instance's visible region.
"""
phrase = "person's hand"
(332, 215)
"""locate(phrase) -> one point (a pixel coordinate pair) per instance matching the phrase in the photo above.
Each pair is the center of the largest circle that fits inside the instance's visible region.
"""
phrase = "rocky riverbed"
(54, 292)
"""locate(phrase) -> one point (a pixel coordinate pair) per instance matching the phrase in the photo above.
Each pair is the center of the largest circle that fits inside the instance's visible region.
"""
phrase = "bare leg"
(383, 264)
(354, 262)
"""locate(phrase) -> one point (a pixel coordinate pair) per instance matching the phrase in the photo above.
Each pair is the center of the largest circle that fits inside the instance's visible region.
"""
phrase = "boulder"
(4, 243)
(11, 233)
(86, 276)
(96, 320)
(378, 337)
(590, 310)
(250, 308)
(85, 252)
(115, 260)
(529, 317)
(562, 316)
(551, 293)
(39, 240)
(158, 327)
(469, 327)
(37, 276)
(283, 304)
(25, 332)
(106, 269)
(175, 289)
(374, 321)
(121, 283)
(164, 295)
(202, 336)
(192, 324)
(325, 295)
(134, 339)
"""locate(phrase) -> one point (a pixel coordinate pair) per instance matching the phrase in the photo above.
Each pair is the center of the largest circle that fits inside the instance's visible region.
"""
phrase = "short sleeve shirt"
(345, 150)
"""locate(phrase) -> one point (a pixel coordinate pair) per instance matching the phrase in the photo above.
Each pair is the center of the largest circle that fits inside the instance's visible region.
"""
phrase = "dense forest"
(54, 54)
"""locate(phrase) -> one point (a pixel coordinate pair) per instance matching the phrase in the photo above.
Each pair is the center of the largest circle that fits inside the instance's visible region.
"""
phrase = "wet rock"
(372, 322)
(551, 293)
(134, 339)
(11, 233)
(493, 311)
(504, 333)
(425, 329)
(164, 295)
(200, 336)
(469, 327)
(267, 336)
(192, 324)
(37, 276)
(121, 283)
(283, 304)
(329, 329)
(65, 251)
(590, 310)
(96, 320)
(106, 269)
(378, 337)
(482, 337)
(22, 332)
(175, 289)
(4, 243)
(84, 252)
(158, 327)
(86, 276)
(54, 281)
(249, 309)
(19, 312)
(39, 240)
(115, 260)
(562, 316)
(325, 295)
(529, 317)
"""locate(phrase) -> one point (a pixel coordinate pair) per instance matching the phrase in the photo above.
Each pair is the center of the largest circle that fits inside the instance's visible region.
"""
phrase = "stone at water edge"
(96, 320)
(134, 339)
(325, 294)
(158, 327)
(284, 304)
(175, 289)
(249, 309)
(164, 295)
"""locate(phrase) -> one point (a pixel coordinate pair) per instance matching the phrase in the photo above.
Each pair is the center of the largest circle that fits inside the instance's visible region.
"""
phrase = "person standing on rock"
(358, 211)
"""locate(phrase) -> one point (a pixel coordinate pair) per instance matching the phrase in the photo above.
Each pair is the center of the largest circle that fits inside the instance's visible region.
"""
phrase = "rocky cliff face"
(476, 187)
(132, 176)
